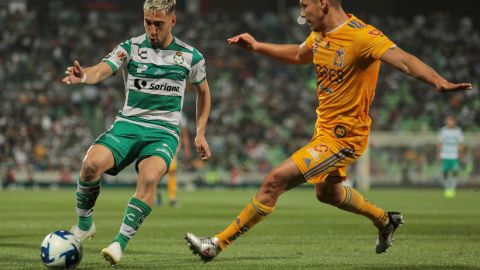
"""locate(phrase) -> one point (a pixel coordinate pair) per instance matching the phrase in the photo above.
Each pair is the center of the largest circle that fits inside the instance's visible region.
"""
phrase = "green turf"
(302, 234)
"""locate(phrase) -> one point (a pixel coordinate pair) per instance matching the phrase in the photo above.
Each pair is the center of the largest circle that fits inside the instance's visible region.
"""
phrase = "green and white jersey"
(450, 138)
(155, 80)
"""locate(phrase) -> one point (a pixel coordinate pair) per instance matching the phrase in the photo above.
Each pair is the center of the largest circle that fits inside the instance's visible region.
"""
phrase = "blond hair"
(164, 5)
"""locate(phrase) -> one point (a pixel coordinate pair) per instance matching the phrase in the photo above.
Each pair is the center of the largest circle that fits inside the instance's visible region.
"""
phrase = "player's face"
(451, 122)
(313, 12)
(158, 26)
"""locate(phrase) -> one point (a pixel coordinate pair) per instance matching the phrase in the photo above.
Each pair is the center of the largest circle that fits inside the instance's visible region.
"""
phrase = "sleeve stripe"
(112, 66)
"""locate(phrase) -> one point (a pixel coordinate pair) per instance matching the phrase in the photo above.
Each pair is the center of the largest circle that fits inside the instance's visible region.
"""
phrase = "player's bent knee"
(273, 184)
(329, 197)
(90, 170)
(149, 178)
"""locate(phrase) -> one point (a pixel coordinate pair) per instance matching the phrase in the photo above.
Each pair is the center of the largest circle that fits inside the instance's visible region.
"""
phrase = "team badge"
(121, 55)
(339, 58)
(340, 131)
(178, 58)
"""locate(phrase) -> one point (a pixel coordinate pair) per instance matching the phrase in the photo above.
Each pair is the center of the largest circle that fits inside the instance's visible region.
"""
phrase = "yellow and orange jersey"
(347, 63)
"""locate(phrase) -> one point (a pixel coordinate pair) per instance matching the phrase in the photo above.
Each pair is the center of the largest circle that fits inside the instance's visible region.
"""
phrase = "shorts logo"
(316, 151)
(165, 151)
(307, 161)
(340, 131)
(113, 137)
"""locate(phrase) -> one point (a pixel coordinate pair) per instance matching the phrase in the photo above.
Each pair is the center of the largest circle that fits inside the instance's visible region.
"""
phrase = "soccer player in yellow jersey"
(346, 53)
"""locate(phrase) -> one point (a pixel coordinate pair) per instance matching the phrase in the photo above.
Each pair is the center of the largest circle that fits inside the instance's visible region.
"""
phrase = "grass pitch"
(301, 234)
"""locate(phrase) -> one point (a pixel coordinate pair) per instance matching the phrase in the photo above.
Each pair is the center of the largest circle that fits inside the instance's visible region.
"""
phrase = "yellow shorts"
(327, 155)
(173, 165)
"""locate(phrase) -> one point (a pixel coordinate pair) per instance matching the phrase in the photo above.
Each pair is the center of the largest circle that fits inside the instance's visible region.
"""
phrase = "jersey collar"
(350, 17)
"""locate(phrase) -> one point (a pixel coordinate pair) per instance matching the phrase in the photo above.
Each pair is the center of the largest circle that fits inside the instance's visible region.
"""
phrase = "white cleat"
(113, 253)
(83, 235)
(385, 234)
(205, 247)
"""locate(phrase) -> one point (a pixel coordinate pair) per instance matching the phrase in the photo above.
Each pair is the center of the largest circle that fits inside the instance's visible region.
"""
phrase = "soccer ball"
(61, 250)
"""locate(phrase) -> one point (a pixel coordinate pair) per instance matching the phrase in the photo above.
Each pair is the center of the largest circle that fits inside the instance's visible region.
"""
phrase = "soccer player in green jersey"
(156, 67)
(450, 150)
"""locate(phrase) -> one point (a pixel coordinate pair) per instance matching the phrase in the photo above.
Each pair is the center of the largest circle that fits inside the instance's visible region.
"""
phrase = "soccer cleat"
(83, 235)
(113, 253)
(449, 193)
(385, 234)
(205, 247)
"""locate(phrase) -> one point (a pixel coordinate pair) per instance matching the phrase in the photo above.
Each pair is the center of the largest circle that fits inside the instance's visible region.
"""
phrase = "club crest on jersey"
(339, 58)
(340, 131)
(121, 55)
(178, 58)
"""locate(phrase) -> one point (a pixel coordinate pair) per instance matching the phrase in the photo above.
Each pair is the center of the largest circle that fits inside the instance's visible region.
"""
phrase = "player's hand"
(74, 73)
(202, 147)
(244, 40)
(448, 86)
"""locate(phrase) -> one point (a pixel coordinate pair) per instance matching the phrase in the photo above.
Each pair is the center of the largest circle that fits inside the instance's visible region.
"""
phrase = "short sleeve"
(118, 56)
(310, 40)
(372, 42)
(198, 72)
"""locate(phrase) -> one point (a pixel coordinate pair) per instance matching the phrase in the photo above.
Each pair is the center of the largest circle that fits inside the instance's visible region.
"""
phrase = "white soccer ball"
(61, 250)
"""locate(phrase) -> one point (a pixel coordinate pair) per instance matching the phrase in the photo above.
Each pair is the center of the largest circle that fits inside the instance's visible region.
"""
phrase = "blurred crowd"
(261, 110)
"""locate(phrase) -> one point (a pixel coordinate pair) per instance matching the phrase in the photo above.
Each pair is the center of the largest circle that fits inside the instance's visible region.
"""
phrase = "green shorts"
(450, 165)
(129, 142)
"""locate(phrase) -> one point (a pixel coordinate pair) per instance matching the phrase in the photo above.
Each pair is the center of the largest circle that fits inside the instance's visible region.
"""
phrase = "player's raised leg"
(280, 179)
(332, 192)
(151, 170)
(97, 160)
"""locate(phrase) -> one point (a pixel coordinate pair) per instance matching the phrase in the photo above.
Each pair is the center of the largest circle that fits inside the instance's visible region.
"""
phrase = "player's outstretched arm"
(203, 110)
(287, 53)
(91, 75)
(414, 67)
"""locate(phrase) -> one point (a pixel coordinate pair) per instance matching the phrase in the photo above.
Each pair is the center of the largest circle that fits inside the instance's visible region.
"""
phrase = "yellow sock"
(172, 186)
(253, 213)
(354, 202)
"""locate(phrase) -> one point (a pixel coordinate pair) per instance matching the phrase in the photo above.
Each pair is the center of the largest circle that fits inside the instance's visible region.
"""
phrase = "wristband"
(84, 78)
